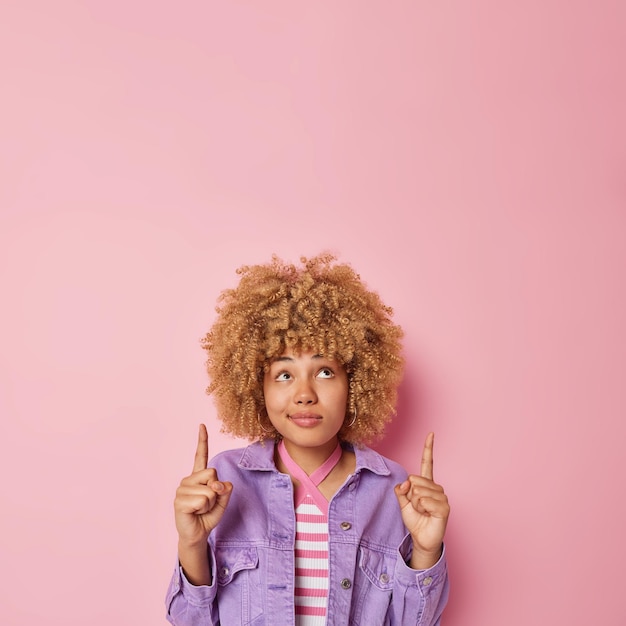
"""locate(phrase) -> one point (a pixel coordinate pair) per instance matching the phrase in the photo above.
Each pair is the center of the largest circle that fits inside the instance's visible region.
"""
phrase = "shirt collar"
(259, 456)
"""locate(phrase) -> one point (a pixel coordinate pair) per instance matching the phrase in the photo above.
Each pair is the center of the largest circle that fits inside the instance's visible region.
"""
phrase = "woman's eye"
(283, 376)
(325, 373)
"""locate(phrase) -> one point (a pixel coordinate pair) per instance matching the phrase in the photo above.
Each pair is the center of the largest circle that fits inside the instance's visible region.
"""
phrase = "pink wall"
(466, 157)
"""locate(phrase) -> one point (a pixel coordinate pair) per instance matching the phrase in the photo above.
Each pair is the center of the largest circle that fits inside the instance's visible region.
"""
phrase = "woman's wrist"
(195, 563)
(424, 559)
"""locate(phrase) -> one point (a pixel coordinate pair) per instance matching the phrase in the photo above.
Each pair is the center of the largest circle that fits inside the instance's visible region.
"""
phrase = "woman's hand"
(201, 498)
(425, 510)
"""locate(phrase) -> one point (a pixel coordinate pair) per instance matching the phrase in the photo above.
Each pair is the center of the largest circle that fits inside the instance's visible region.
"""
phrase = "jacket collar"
(259, 456)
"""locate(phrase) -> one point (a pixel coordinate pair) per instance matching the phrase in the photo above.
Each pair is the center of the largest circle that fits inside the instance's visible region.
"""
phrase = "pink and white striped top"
(311, 551)
(311, 588)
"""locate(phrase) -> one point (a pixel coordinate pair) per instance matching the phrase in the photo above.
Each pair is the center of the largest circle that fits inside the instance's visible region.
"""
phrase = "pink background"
(466, 157)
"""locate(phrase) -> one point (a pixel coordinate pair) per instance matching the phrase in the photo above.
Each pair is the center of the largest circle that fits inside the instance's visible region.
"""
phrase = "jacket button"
(346, 584)
(384, 578)
(345, 525)
(427, 581)
(224, 572)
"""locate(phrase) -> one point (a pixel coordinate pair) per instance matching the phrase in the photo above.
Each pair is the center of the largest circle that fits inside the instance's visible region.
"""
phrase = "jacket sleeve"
(189, 605)
(419, 596)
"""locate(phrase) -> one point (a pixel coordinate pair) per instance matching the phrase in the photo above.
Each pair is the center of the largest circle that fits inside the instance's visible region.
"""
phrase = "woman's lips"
(306, 420)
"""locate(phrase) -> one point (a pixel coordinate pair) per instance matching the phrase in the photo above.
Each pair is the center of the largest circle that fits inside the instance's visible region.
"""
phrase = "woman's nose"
(305, 394)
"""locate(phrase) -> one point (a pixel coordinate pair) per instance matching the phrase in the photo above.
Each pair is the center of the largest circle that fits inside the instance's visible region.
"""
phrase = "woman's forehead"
(304, 354)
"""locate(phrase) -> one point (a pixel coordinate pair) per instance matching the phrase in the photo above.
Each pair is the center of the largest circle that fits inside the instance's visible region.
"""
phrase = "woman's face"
(306, 396)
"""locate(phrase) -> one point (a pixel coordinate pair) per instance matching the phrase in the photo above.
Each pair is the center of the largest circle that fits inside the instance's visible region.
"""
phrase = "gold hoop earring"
(351, 424)
(258, 417)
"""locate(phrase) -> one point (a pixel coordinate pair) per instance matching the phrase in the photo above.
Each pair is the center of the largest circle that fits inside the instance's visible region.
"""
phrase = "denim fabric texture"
(252, 552)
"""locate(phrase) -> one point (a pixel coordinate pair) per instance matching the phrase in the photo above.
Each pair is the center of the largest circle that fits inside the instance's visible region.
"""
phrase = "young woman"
(307, 525)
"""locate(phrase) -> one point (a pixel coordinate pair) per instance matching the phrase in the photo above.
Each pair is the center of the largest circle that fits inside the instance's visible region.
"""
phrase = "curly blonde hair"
(322, 306)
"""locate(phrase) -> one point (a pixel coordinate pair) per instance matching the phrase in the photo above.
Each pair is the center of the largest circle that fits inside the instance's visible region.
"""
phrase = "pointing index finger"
(202, 451)
(427, 457)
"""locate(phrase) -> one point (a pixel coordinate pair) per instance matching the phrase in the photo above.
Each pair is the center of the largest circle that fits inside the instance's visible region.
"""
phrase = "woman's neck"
(309, 459)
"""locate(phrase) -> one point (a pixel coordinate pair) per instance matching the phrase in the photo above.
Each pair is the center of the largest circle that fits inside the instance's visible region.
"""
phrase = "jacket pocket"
(239, 596)
(374, 584)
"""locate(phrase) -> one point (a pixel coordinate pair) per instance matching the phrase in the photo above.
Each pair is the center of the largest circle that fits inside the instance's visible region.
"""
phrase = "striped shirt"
(311, 589)
(311, 551)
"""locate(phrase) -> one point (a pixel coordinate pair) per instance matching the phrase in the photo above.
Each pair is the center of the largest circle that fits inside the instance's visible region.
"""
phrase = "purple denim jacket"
(252, 552)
